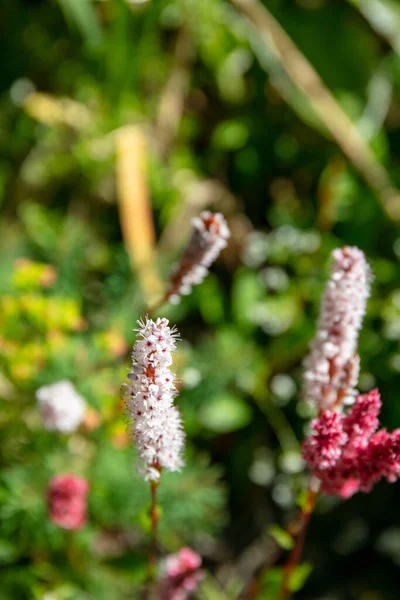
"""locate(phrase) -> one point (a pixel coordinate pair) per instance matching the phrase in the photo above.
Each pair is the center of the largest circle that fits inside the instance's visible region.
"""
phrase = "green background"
(237, 137)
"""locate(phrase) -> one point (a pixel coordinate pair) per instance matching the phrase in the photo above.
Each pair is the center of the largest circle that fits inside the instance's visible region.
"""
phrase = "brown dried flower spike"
(209, 237)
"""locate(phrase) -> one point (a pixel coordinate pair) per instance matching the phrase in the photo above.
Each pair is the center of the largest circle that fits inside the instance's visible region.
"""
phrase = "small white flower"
(149, 394)
(61, 407)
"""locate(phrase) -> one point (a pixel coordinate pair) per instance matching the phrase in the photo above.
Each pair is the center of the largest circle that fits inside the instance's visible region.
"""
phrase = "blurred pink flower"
(181, 575)
(67, 501)
(347, 454)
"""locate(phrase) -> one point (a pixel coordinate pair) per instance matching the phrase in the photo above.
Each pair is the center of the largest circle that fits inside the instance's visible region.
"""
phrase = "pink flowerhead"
(209, 236)
(181, 575)
(362, 419)
(347, 454)
(331, 368)
(323, 448)
(380, 458)
(67, 501)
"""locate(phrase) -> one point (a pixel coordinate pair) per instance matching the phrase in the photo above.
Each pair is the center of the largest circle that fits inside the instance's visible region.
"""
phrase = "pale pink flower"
(347, 454)
(155, 421)
(209, 236)
(180, 575)
(332, 366)
(67, 501)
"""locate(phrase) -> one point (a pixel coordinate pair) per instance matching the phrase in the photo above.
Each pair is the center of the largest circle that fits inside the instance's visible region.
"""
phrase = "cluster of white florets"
(209, 236)
(61, 407)
(156, 422)
(332, 366)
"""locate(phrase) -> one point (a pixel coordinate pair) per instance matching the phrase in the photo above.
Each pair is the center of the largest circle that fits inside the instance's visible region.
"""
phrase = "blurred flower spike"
(67, 501)
(61, 407)
(332, 366)
(180, 575)
(155, 421)
(348, 453)
(209, 236)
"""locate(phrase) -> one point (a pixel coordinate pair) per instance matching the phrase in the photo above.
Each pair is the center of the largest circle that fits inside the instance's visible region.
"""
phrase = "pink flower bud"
(181, 575)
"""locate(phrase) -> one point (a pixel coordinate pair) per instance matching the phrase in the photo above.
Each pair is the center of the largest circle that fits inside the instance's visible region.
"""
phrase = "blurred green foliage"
(227, 129)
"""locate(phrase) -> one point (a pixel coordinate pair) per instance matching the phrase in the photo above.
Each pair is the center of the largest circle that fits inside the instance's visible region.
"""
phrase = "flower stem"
(154, 516)
(254, 585)
(298, 529)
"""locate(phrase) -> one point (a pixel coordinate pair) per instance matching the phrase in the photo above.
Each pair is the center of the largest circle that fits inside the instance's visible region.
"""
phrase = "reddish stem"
(253, 587)
(299, 530)
(154, 516)
(152, 556)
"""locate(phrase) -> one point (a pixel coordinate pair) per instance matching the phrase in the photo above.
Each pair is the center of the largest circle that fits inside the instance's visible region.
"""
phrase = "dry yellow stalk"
(135, 209)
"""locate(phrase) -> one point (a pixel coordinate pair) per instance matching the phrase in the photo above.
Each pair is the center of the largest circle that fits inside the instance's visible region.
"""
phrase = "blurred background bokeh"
(119, 121)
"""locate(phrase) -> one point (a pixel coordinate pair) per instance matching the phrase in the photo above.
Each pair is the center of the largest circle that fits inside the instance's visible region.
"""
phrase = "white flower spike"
(155, 421)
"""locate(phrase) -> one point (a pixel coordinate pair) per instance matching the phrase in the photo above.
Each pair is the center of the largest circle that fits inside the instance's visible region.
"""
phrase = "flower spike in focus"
(155, 421)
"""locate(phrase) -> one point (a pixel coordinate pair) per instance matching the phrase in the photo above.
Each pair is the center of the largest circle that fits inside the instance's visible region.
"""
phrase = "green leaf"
(225, 413)
(299, 576)
(247, 291)
(82, 14)
(7, 552)
(282, 537)
(230, 135)
(272, 582)
(210, 298)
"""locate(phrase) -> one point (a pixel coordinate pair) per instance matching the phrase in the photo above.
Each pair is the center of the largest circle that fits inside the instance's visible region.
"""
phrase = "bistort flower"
(209, 237)
(67, 501)
(347, 453)
(61, 407)
(155, 421)
(180, 575)
(332, 366)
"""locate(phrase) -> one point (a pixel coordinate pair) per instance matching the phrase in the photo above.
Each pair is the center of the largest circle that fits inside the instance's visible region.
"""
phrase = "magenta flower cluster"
(347, 453)
(181, 575)
(67, 501)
